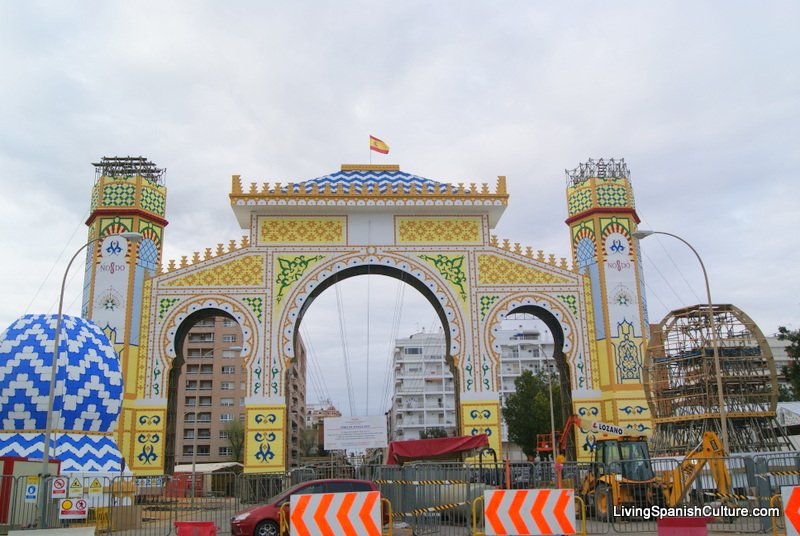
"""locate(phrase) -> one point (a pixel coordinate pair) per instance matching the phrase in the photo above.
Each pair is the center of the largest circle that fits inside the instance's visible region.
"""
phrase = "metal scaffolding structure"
(129, 166)
(681, 381)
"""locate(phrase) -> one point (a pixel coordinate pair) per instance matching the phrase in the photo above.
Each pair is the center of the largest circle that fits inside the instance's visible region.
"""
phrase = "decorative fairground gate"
(371, 219)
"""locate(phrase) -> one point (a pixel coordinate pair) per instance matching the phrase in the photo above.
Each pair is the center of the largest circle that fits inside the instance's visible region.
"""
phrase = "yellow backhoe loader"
(623, 474)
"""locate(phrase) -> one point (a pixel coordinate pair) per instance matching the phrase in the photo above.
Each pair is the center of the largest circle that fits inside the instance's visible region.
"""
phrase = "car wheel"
(267, 528)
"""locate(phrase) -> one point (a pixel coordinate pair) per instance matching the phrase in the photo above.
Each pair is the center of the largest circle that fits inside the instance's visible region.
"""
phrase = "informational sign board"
(59, 490)
(355, 433)
(72, 509)
(31, 489)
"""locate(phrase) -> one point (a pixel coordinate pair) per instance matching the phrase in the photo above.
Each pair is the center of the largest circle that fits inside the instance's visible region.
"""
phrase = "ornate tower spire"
(602, 218)
(128, 195)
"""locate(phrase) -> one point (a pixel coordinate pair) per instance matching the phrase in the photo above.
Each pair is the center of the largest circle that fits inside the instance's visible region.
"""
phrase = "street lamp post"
(194, 460)
(723, 413)
(552, 412)
(132, 237)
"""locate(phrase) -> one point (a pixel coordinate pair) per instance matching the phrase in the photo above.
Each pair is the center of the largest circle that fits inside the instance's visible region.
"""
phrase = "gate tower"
(602, 218)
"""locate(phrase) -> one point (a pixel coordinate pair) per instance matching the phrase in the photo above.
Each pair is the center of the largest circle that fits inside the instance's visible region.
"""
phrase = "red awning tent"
(444, 448)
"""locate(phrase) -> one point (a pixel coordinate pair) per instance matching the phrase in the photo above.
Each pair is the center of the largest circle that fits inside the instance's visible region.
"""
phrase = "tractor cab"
(628, 457)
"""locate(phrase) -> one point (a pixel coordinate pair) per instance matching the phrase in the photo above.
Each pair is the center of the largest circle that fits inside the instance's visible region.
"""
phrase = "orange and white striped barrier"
(336, 514)
(529, 511)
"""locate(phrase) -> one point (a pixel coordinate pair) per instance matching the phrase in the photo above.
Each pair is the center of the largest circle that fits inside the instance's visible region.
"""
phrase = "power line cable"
(345, 353)
(314, 372)
(395, 328)
(53, 266)
(658, 239)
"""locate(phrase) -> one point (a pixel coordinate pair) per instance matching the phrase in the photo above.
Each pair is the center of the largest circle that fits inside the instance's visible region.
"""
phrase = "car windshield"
(287, 492)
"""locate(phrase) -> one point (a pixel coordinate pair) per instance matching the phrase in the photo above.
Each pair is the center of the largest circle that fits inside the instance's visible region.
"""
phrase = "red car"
(262, 520)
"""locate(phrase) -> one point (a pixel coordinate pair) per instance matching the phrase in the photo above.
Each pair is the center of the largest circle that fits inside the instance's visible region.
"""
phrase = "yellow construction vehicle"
(623, 473)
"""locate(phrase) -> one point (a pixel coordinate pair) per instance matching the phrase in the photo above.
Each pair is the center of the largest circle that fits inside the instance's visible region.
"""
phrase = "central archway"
(402, 268)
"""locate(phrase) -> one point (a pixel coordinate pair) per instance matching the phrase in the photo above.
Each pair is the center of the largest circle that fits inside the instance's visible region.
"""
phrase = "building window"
(223, 434)
(191, 385)
(189, 401)
(230, 354)
(225, 451)
(192, 369)
(203, 417)
(204, 450)
(204, 433)
(188, 433)
(226, 417)
(229, 370)
(207, 369)
(229, 338)
(205, 400)
(229, 322)
(412, 351)
(205, 323)
(226, 386)
(189, 417)
(200, 352)
(206, 385)
(226, 402)
(201, 337)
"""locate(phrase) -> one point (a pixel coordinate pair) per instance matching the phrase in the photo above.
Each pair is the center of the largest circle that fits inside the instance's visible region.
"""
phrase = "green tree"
(791, 371)
(432, 433)
(235, 432)
(527, 411)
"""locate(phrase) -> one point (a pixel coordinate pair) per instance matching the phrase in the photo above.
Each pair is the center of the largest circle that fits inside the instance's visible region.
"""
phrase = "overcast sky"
(700, 98)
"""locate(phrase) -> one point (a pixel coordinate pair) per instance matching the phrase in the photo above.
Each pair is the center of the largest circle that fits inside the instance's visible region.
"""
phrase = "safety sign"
(31, 489)
(95, 487)
(72, 509)
(59, 490)
(76, 488)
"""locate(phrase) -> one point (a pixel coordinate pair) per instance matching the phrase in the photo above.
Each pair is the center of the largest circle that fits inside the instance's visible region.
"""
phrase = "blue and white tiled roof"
(366, 182)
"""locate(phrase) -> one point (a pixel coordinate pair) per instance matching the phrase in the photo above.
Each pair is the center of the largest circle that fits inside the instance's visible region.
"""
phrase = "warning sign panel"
(59, 490)
(95, 487)
(75, 488)
(72, 509)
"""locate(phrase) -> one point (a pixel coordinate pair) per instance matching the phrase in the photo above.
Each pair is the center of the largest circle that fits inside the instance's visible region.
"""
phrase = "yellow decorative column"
(602, 218)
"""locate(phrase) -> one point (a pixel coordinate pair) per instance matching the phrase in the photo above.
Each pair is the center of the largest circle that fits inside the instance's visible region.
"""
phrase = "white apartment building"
(424, 393)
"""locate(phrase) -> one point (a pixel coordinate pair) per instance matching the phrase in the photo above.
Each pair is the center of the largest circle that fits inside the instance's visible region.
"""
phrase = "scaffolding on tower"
(129, 166)
(681, 381)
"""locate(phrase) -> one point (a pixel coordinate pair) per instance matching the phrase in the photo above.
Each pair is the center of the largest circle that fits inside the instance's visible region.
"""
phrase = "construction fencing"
(426, 498)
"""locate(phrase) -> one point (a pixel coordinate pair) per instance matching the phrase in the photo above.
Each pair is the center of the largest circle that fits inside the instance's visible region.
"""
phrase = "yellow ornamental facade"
(303, 237)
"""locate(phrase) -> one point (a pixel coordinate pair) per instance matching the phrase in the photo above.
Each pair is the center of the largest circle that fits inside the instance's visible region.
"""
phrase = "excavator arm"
(680, 479)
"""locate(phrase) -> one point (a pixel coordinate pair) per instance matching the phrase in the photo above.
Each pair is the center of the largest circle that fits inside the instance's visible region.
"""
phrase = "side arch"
(567, 343)
(169, 330)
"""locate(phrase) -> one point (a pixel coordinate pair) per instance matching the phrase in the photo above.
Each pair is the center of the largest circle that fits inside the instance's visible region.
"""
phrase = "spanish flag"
(377, 145)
